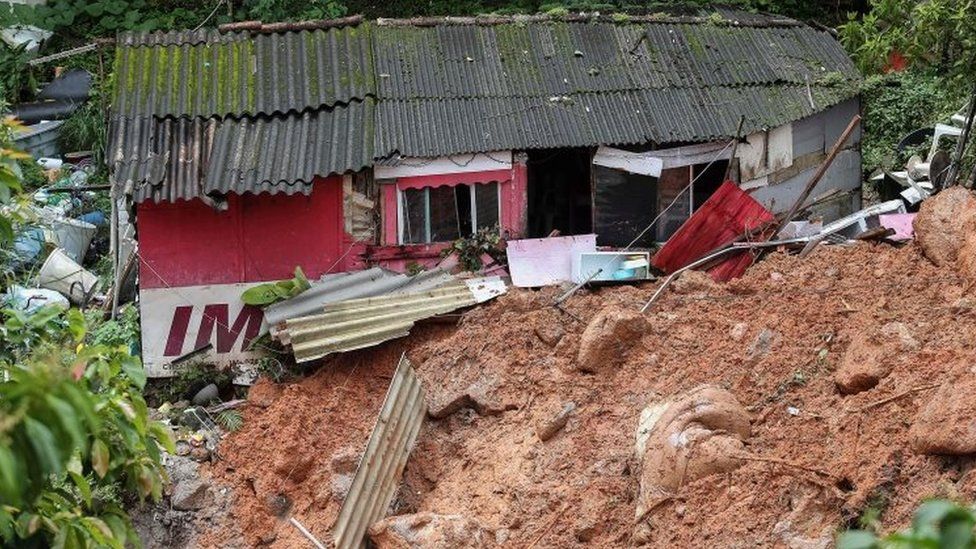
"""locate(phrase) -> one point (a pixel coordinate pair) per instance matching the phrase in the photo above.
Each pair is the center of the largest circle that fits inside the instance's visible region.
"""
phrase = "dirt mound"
(944, 225)
(819, 458)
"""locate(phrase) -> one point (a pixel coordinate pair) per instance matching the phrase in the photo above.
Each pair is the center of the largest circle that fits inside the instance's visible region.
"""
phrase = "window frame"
(473, 193)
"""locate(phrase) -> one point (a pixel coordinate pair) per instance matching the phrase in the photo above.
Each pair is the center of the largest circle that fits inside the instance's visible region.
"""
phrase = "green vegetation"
(75, 427)
(939, 35)
(898, 103)
(938, 524)
(75, 435)
(469, 250)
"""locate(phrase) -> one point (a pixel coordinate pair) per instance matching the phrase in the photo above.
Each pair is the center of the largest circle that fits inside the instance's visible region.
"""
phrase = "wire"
(640, 235)
(212, 13)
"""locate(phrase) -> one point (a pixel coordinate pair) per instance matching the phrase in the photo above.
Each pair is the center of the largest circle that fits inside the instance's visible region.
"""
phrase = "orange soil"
(581, 484)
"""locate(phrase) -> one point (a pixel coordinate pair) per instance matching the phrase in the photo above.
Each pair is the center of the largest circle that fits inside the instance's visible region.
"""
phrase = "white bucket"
(60, 273)
(74, 236)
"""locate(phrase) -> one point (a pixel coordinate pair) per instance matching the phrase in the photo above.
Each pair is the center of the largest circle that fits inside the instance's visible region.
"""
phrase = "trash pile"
(809, 395)
(64, 228)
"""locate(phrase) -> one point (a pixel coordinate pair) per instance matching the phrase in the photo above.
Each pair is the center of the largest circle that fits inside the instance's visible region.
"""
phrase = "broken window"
(441, 214)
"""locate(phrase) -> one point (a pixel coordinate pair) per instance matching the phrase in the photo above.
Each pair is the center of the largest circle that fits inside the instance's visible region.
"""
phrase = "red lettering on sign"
(217, 316)
(177, 331)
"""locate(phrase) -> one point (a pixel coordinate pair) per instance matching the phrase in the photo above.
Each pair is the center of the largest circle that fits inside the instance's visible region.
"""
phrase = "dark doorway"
(559, 192)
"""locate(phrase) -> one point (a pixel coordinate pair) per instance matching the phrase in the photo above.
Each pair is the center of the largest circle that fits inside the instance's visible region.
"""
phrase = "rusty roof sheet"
(179, 159)
(208, 74)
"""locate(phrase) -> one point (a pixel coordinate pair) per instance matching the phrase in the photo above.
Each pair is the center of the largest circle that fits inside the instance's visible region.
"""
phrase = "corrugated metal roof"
(174, 74)
(381, 465)
(160, 159)
(439, 127)
(264, 154)
(725, 216)
(559, 58)
(359, 323)
(448, 88)
(332, 288)
(179, 159)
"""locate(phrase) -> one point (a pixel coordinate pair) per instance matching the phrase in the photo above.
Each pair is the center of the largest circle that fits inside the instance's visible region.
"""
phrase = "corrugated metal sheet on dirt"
(727, 215)
(441, 127)
(560, 58)
(360, 323)
(179, 159)
(336, 287)
(241, 74)
(381, 465)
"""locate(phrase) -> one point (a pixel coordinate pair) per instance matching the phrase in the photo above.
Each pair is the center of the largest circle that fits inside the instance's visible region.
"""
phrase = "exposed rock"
(429, 531)
(263, 393)
(190, 495)
(547, 428)
(946, 424)
(550, 333)
(690, 282)
(206, 395)
(943, 223)
(688, 437)
(738, 331)
(901, 334)
(609, 337)
(344, 464)
(477, 397)
(870, 355)
(763, 343)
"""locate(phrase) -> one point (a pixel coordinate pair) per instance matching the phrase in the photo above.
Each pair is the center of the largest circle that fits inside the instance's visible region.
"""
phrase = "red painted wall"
(258, 238)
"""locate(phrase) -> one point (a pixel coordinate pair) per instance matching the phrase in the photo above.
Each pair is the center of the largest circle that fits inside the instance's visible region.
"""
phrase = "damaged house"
(246, 154)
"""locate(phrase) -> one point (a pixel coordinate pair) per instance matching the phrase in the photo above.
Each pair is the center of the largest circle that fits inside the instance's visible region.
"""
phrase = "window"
(441, 214)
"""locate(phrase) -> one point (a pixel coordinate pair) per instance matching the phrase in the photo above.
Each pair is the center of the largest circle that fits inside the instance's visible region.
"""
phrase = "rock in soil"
(609, 337)
(946, 424)
(429, 531)
(871, 355)
(943, 224)
(190, 495)
(547, 428)
(691, 436)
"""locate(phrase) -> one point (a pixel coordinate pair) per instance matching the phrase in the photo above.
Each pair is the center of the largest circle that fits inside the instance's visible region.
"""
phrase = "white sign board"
(535, 262)
(177, 321)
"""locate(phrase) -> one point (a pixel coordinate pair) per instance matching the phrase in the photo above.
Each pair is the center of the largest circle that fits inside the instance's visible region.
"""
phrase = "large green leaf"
(99, 458)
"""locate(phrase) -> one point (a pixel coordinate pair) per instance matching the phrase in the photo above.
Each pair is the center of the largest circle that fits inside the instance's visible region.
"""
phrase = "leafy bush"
(937, 34)
(470, 249)
(16, 79)
(74, 427)
(938, 524)
(898, 103)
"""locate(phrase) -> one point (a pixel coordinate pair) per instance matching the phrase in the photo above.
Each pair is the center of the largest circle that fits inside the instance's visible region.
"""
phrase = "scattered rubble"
(798, 458)
(547, 427)
(430, 531)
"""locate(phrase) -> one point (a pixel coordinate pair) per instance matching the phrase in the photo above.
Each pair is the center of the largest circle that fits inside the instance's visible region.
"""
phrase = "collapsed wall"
(534, 413)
